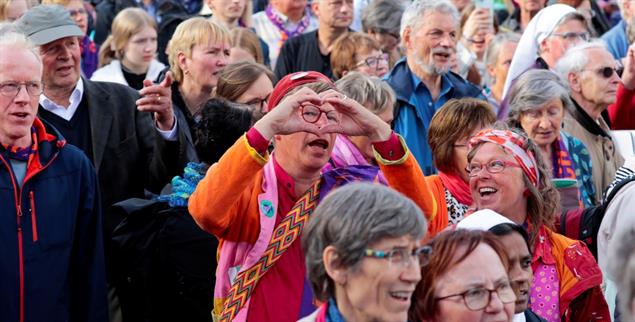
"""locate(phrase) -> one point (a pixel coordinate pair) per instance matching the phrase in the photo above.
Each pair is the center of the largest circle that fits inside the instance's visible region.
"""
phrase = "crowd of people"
(332, 160)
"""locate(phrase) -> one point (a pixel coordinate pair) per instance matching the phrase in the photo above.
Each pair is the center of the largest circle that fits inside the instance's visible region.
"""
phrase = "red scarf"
(457, 187)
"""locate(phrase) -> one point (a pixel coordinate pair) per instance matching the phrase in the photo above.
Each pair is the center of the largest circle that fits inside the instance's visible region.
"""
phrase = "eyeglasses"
(259, 104)
(312, 113)
(11, 89)
(373, 61)
(570, 36)
(606, 72)
(74, 13)
(494, 166)
(478, 298)
(402, 257)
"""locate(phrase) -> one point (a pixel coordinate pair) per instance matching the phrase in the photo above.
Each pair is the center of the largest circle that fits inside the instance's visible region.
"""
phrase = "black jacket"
(165, 264)
(302, 53)
(129, 154)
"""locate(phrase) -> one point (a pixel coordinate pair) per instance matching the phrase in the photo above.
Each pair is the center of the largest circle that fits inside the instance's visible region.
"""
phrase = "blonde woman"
(197, 53)
(128, 55)
(89, 49)
(12, 10)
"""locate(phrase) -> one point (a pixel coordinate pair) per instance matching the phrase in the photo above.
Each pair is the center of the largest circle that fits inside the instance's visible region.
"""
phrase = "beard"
(432, 68)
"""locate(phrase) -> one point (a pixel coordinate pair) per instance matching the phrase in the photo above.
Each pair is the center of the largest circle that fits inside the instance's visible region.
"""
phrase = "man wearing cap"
(52, 266)
(129, 152)
(257, 203)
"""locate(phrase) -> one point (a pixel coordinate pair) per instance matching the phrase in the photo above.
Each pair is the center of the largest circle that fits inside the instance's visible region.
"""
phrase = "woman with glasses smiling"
(356, 51)
(465, 279)
(508, 175)
(363, 258)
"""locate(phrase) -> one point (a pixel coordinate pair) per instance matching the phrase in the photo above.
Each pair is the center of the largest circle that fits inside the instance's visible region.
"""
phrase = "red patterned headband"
(512, 143)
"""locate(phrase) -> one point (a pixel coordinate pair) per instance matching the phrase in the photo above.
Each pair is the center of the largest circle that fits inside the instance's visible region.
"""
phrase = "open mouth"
(403, 296)
(65, 69)
(319, 143)
(486, 191)
(442, 55)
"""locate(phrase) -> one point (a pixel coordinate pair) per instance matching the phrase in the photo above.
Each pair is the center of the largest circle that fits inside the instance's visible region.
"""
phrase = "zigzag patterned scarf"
(284, 235)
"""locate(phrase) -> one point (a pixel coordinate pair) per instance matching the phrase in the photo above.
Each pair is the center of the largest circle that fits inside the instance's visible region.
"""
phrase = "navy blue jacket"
(51, 247)
(412, 121)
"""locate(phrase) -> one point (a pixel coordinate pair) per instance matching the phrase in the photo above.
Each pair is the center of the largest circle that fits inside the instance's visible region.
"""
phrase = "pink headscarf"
(513, 143)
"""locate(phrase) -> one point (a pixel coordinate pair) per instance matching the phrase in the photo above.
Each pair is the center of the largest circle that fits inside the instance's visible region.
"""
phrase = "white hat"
(483, 220)
(539, 28)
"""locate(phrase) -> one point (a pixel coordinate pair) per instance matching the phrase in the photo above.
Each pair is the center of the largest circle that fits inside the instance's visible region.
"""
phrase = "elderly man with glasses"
(52, 266)
(590, 72)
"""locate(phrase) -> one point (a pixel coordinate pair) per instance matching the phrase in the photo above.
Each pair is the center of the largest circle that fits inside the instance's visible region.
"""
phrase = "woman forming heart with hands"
(320, 114)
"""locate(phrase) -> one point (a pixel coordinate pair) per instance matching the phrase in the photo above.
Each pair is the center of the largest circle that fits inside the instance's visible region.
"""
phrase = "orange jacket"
(225, 202)
(437, 221)
(581, 297)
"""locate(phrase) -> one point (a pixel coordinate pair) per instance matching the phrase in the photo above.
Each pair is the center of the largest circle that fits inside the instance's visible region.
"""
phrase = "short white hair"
(15, 40)
(575, 59)
(418, 8)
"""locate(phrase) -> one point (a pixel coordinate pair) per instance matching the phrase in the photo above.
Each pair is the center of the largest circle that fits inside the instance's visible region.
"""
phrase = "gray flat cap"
(46, 23)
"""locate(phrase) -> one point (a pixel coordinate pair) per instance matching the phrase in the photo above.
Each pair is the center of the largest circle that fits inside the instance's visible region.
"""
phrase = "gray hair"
(16, 40)
(369, 91)
(383, 16)
(576, 59)
(418, 8)
(494, 47)
(6, 26)
(534, 89)
(493, 50)
(351, 219)
(621, 268)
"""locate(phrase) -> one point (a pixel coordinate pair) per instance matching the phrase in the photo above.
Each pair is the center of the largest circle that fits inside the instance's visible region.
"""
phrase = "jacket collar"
(586, 121)
(399, 79)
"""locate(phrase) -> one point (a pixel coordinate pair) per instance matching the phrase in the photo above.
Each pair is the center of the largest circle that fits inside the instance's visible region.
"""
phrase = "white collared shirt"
(270, 34)
(67, 112)
(520, 317)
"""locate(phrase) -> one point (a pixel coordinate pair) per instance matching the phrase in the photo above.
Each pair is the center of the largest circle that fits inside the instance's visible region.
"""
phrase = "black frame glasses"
(401, 256)
(374, 61)
(479, 298)
(606, 71)
(259, 104)
(11, 88)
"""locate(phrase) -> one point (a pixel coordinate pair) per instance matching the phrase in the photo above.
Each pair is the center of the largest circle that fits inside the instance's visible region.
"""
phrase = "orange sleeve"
(439, 222)
(405, 176)
(221, 202)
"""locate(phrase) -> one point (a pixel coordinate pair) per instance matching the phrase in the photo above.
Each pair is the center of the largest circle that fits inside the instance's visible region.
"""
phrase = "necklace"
(279, 24)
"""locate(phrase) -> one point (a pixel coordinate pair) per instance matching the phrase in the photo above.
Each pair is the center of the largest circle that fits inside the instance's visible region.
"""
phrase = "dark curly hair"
(222, 123)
